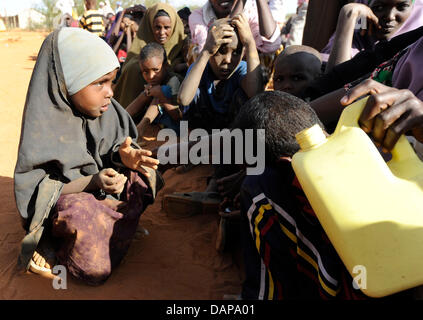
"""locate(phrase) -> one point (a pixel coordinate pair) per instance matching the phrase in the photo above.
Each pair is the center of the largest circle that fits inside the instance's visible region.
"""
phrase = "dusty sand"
(177, 260)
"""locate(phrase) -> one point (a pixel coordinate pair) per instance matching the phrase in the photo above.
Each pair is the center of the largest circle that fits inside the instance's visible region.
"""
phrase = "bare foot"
(42, 265)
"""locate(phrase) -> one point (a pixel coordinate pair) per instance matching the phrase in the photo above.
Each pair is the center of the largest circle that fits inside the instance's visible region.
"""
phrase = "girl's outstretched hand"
(134, 159)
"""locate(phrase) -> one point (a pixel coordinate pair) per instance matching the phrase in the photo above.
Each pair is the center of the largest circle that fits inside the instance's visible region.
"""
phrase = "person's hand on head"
(362, 11)
(217, 36)
(244, 30)
(389, 112)
(135, 159)
(110, 181)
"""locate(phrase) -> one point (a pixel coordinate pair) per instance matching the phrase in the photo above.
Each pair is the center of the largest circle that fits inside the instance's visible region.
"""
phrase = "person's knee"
(91, 270)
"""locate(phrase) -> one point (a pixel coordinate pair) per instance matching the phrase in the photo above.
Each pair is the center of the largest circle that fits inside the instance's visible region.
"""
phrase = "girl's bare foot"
(42, 264)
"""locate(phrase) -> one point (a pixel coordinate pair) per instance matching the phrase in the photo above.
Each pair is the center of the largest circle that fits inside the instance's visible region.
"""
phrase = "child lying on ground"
(158, 100)
(76, 182)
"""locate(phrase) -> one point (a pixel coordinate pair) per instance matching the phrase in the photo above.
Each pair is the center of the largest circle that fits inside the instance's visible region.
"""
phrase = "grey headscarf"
(84, 57)
(58, 144)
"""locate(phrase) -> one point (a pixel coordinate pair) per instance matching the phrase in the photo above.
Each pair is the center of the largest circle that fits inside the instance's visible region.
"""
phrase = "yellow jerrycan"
(371, 210)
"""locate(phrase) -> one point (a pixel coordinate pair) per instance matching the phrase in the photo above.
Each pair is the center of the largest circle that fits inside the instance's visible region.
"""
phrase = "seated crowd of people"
(230, 64)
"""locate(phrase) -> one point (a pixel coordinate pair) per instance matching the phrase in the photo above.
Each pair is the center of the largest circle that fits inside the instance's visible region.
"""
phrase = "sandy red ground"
(177, 260)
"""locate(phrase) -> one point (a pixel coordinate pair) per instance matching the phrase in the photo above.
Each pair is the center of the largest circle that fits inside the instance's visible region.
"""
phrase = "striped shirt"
(92, 20)
(288, 255)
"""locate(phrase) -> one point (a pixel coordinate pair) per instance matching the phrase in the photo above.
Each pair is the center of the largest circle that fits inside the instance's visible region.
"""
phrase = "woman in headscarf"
(160, 24)
(77, 185)
(363, 23)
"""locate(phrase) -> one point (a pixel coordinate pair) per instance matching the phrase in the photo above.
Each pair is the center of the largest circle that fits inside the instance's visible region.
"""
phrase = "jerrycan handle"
(349, 118)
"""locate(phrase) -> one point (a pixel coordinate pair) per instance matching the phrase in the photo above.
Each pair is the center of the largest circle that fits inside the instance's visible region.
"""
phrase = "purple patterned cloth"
(407, 73)
(96, 234)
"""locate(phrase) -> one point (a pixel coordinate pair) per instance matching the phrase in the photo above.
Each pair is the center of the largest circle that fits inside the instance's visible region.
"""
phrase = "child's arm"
(128, 32)
(252, 82)
(267, 25)
(173, 110)
(341, 50)
(134, 159)
(151, 114)
(107, 179)
(116, 28)
(138, 104)
(216, 36)
(118, 43)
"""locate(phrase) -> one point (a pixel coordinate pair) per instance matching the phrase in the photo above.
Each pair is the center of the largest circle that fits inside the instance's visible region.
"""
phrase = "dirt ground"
(177, 260)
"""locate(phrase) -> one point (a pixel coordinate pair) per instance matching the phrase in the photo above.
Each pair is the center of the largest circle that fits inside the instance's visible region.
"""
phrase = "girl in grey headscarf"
(76, 185)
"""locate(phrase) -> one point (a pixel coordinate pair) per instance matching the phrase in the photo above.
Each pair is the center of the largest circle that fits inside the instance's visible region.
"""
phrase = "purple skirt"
(96, 234)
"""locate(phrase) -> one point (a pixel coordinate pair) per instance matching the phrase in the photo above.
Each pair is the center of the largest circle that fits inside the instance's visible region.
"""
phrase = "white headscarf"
(84, 57)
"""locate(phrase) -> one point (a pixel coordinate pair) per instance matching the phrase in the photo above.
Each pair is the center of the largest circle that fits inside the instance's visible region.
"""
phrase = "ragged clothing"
(287, 253)
(58, 144)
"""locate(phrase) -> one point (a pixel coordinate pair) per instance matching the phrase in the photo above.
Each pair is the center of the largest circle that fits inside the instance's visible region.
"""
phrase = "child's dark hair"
(282, 115)
(153, 49)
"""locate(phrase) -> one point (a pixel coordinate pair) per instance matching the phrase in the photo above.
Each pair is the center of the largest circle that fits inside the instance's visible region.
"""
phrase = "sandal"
(191, 203)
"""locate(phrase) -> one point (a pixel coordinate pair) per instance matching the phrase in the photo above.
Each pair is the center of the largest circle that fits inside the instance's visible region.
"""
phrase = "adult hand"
(244, 30)
(134, 159)
(389, 112)
(110, 180)
(358, 10)
(217, 36)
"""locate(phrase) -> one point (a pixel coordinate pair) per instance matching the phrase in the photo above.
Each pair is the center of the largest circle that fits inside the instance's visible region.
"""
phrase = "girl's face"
(152, 70)
(392, 14)
(93, 100)
(162, 29)
(226, 59)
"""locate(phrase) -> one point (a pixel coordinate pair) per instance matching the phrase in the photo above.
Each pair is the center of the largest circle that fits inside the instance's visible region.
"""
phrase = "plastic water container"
(371, 210)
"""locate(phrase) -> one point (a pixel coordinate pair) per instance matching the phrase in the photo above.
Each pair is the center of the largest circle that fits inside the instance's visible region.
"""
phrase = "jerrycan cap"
(311, 137)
